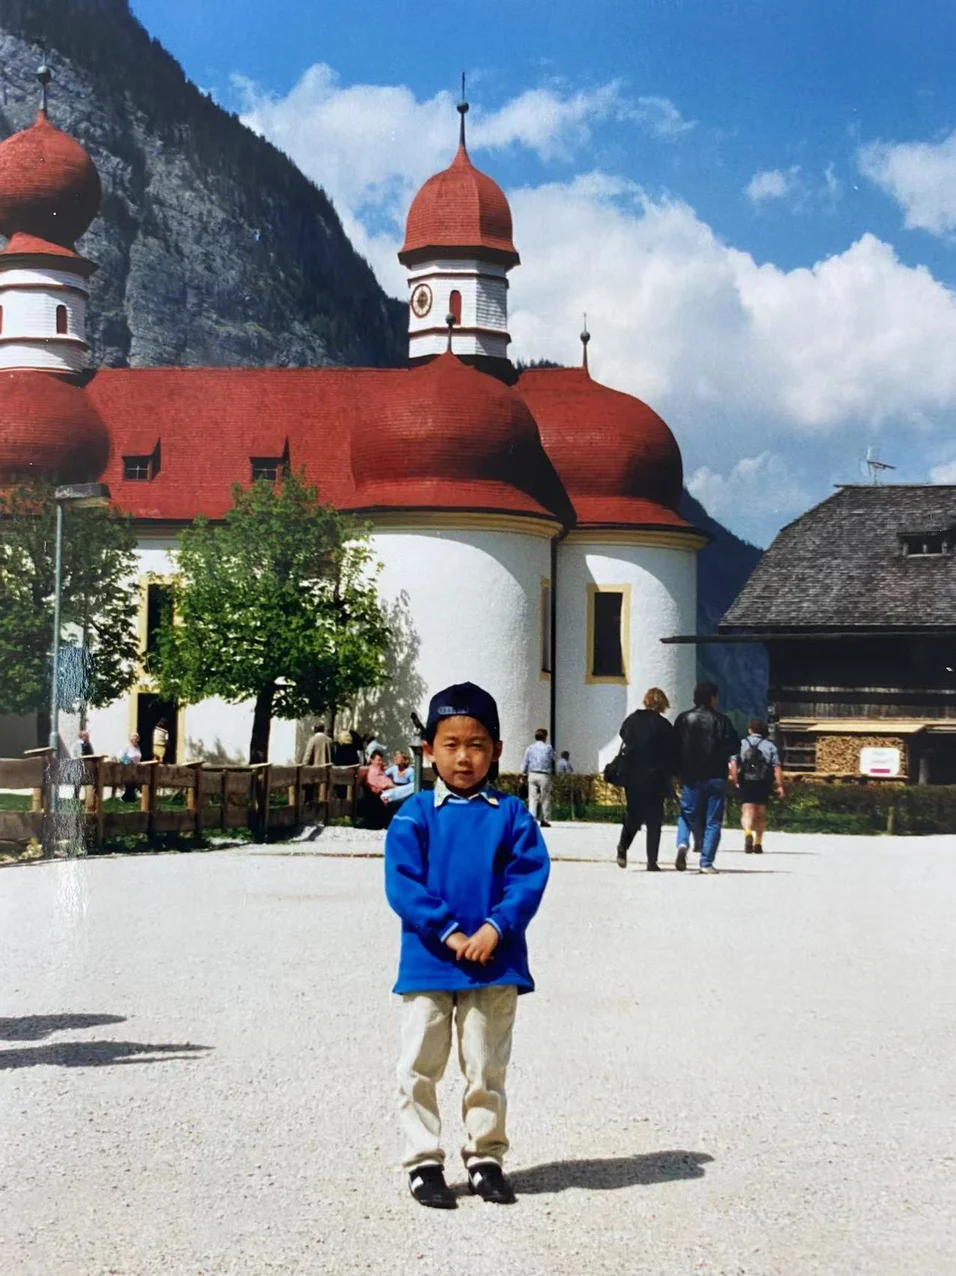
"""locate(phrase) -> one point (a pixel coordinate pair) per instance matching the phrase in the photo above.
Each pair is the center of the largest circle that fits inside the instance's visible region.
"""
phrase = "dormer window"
(137, 469)
(926, 544)
(267, 469)
(141, 460)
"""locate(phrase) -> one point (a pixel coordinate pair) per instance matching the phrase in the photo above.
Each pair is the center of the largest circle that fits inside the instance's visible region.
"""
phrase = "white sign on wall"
(879, 761)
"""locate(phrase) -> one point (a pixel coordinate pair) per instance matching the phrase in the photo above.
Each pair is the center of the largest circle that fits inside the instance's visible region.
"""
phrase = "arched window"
(61, 320)
(454, 304)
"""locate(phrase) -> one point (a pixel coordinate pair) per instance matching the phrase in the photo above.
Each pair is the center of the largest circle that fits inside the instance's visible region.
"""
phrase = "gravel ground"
(749, 1073)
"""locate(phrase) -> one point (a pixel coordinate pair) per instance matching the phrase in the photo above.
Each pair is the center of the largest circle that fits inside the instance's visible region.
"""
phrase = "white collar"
(443, 794)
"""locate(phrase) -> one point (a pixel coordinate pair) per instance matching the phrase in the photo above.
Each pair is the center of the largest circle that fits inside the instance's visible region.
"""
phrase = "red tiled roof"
(617, 459)
(441, 436)
(436, 437)
(49, 427)
(49, 186)
(460, 207)
(448, 424)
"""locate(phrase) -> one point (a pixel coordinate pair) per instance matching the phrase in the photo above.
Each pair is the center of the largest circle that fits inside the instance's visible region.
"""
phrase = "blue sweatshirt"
(452, 864)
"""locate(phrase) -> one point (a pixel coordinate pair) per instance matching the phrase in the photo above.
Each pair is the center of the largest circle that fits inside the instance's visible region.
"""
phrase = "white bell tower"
(458, 251)
(49, 194)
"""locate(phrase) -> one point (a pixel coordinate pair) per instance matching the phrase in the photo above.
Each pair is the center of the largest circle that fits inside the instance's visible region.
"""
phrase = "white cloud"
(371, 146)
(748, 362)
(698, 327)
(772, 183)
(542, 120)
(920, 176)
(943, 473)
(660, 117)
(756, 486)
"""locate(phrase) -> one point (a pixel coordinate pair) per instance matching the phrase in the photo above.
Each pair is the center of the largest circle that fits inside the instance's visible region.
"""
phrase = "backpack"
(756, 767)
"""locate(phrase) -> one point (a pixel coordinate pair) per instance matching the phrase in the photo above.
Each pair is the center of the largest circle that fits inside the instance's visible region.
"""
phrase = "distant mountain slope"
(723, 568)
(213, 248)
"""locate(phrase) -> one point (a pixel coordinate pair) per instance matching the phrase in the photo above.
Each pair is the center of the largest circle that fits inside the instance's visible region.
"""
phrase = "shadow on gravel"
(604, 1174)
(36, 1027)
(97, 1054)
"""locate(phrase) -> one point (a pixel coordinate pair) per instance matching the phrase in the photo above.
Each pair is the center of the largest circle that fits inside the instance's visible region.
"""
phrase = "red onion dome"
(49, 187)
(617, 459)
(460, 208)
(49, 429)
(451, 437)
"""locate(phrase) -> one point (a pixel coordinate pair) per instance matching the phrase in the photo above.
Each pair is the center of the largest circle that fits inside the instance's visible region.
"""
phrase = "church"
(526, 520)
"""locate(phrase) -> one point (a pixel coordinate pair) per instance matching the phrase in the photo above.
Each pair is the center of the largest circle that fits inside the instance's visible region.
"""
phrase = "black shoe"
(681, 862)
(749, 844)
(545, 824)
(654, 867)
(621, 858)
(758, 849)
(427, 1185)
(487, 1180)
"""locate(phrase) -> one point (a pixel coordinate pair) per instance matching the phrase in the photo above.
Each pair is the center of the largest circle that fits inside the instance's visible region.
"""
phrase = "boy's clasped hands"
(478, 947)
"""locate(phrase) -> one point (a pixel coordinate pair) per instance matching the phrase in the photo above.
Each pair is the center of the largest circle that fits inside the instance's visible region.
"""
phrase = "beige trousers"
(539, 792)
(484, 1020)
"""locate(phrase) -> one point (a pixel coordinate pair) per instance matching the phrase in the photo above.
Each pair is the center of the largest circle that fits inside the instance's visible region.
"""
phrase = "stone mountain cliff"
(212, 247)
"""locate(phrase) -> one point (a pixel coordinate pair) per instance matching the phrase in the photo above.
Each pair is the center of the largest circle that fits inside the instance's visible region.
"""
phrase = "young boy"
(465, 869)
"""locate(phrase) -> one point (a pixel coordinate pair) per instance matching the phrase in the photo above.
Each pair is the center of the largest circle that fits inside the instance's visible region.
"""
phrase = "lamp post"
(79, 496)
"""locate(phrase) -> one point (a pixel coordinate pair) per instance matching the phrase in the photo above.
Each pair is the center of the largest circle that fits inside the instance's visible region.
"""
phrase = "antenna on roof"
(44, 76)
(462, 111)
(873, 468)
(585, 338)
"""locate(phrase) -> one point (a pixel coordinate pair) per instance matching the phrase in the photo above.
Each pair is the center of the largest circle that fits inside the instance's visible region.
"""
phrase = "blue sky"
(755, 201)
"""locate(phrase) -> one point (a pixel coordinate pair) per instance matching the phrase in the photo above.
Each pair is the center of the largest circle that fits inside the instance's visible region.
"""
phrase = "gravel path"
(744, 1074)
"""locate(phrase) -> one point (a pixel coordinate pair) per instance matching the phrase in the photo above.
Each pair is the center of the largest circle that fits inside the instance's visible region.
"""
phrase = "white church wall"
(660, 584)
(109, 727)
(211, 730)
(468, 604)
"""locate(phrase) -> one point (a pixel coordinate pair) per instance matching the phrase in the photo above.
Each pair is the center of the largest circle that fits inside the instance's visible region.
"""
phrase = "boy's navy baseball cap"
(464, 699)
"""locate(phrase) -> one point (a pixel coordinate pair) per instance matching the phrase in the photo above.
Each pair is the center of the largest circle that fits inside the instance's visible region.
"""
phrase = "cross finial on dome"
(44, 76)
(462, 111)
(585, 338)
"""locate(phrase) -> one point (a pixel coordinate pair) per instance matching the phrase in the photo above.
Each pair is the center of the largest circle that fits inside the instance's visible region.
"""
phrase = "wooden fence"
(194, 798)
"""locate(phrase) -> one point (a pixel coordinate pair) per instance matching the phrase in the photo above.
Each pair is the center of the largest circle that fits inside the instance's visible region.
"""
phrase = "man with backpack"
(755, 771)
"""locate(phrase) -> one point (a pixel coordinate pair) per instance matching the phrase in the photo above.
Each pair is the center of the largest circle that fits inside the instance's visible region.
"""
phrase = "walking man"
(538, 766)
(706, 742)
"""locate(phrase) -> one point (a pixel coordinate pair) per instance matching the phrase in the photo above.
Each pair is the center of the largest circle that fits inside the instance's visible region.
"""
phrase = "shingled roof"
(844, 565)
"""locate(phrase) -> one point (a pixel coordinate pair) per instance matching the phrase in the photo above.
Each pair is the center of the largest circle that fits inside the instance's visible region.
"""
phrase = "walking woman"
(648, 764)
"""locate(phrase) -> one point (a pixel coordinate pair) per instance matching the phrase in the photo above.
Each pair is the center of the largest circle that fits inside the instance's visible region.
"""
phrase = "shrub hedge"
(811, 805)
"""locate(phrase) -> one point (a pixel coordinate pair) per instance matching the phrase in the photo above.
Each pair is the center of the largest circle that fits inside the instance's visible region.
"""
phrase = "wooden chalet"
(855, 602)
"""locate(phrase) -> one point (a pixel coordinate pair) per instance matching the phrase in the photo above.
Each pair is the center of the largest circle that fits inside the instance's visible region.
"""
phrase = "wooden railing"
(194, 798)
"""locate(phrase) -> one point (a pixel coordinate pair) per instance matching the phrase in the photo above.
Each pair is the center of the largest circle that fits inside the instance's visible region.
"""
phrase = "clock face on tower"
(422, 300)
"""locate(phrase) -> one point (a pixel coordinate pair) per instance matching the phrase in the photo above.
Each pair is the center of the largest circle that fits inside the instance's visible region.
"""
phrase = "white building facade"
(527, 526)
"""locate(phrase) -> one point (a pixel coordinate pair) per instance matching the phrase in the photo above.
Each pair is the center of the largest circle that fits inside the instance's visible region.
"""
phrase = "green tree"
(276, 604)
(99, 601)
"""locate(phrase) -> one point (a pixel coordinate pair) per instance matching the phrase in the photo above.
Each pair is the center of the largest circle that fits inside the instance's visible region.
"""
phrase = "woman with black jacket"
(648, 763)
